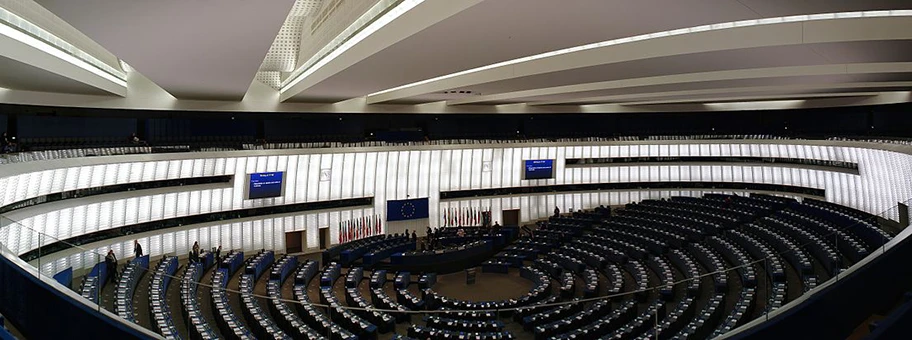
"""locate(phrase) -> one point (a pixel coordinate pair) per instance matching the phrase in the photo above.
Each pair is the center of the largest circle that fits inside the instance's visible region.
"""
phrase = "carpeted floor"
(488, 286)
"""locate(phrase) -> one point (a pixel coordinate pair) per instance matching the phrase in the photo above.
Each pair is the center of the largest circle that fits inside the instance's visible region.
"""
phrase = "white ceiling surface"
(22, 76)
(740, 59)
(197, 49)
(499, 30)
(206, 54)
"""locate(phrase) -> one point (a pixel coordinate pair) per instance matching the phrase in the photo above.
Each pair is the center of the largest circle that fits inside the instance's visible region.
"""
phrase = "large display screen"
(539, 169)
(264, 185)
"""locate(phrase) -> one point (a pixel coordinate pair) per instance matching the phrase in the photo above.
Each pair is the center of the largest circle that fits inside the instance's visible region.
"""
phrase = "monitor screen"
(264, 185)
(539, 169)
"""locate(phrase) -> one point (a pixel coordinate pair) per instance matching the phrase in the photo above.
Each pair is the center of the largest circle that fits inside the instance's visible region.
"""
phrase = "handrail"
(78, 152)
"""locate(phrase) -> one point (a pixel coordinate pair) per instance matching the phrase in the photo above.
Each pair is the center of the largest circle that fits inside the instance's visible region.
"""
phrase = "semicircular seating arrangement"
(675, 268)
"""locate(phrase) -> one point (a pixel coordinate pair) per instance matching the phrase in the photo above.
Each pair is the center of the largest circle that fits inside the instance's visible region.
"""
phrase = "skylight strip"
(695, 29)
(43, 37)
(339, 45)
(43, 46)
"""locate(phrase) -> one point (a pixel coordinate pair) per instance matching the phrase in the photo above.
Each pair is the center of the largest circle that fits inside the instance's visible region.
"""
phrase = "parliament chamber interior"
(474, 169)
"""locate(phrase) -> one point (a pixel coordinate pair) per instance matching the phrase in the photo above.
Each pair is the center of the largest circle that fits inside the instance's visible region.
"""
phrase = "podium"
(470, 275)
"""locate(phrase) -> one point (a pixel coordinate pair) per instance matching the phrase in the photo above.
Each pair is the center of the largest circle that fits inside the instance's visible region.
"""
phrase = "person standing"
(218, 252)
(414, 236)
(196, 251)
(556, 211)
(137, 249)
(111, 263)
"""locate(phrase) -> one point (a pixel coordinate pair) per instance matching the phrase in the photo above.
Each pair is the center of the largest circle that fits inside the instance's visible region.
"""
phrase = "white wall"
(388, 174)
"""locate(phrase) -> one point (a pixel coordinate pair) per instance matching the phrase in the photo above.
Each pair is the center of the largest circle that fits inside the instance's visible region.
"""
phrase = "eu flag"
(412, 209)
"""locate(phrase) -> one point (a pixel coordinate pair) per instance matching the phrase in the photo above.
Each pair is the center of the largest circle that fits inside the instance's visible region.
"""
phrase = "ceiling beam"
(24, 48)
(383, 32)
(761, 102)
(753, 73)
(759, 98)
(797, 88)
(709, 40)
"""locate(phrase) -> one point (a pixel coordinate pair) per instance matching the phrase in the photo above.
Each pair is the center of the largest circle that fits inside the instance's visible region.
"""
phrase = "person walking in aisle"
(111, 263)
(137, 249)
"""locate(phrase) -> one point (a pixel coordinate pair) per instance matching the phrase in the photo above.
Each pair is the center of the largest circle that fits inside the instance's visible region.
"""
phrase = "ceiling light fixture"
(322, 58)
(756, 105)
(8, 19)
(703, 28)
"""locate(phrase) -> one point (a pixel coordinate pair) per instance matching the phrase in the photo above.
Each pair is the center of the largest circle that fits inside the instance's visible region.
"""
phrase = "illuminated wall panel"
(392, 174)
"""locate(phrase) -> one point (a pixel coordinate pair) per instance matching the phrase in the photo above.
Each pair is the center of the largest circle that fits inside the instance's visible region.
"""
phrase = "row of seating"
(197, 325)
(94, 281)
(420, 332)
(333, 253)
(260, 322)
(593, 322)
(740, 314)
(374, 246)
(287, 319)
(345, 317)
(641, 323)
(229, 324)
(450, 254)
(675, 319)
(159, 311)
(384, 250)
(380, 299)
(312, 315)
(126, 287)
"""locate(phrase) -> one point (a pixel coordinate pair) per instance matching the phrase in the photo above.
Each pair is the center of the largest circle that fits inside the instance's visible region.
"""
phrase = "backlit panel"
(395, 174)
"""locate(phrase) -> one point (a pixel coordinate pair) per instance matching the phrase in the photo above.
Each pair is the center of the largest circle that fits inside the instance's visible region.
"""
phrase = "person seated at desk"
(194, 257)
(460, 232)
(8, 143)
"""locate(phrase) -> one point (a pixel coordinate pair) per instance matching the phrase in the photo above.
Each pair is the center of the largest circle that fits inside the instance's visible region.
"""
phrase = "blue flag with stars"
(412, 209)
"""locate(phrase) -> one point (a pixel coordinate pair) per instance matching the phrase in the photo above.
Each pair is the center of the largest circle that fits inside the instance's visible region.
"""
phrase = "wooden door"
(510, 218)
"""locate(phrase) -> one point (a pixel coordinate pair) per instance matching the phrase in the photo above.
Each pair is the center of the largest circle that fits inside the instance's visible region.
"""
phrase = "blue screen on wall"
(265, 184)
(539, 169)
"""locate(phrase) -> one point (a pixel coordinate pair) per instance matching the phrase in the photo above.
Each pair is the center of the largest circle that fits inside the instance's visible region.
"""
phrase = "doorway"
(324, 238)
(510, 218)
(293, 242)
